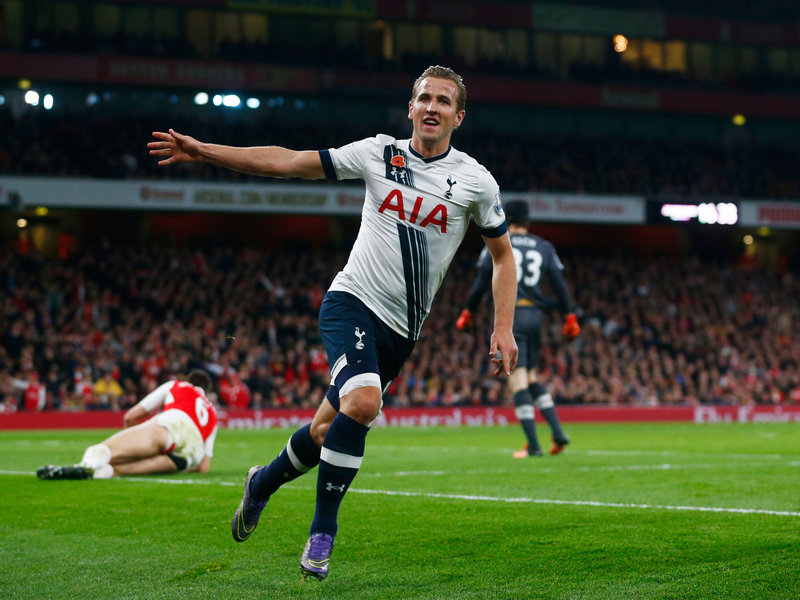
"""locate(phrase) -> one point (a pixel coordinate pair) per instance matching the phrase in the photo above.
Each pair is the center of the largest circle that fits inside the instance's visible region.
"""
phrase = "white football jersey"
(416, 212)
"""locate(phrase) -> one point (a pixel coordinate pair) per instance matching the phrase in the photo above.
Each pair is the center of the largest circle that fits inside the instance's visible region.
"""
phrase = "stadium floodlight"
(748, 239)
(92, 99)
(32, 97)
(22, 223)
(739, 120)
(24, 84)
(231, 101)
(2, 99)
(48, 101)
(253, 103)
(201, 98)
(217, 100)
(620, 43)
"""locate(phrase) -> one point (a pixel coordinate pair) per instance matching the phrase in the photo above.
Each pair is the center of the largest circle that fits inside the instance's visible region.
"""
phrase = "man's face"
(433, 110)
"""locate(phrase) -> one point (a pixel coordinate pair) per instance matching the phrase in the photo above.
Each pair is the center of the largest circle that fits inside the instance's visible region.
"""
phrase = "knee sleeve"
(544, 401)
(524, 412)
(523, 405)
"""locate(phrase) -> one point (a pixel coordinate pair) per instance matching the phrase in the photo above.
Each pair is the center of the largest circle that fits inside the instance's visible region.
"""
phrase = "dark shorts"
(357, 342)
(528, 335)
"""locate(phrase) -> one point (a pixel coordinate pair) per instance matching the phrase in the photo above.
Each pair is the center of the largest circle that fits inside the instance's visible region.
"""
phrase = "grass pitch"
(628, 511)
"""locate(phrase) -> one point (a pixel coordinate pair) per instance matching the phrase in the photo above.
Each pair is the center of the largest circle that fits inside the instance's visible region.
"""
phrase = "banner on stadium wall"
(763, 213)
(589, 19)
(479, 416)
(55, 192)
(362, 9)
(219, 74)
(467, 12)
(573, 208)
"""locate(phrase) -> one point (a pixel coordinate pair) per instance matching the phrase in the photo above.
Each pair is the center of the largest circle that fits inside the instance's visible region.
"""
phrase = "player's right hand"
(175, 147)
(464, 320)
(571, 327)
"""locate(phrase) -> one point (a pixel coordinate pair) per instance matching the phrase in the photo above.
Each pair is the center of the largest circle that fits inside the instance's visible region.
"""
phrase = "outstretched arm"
(267, 161)
(504, 293)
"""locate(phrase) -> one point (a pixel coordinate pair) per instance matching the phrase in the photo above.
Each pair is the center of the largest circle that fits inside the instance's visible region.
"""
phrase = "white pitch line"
(675, 453)
(474, 498)
(748, 511)
(586, 469)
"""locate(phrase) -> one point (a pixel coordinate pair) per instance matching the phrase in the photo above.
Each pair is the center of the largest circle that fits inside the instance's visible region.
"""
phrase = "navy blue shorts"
(361, 349)
(528, 335)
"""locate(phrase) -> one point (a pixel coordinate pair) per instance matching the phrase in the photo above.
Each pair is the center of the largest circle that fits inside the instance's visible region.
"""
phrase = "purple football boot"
(246, 516)
(316, 556)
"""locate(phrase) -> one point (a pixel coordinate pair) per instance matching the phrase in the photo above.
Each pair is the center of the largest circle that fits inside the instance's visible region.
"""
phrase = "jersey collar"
(432, 158)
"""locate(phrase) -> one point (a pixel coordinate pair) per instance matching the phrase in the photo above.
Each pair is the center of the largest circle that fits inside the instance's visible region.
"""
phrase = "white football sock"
(104, 472)
(96, 456)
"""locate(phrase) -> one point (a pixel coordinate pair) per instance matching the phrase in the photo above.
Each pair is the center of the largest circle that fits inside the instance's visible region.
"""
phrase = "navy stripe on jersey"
(397, 171)
(327, 164)
(494, 232)
(414, 248)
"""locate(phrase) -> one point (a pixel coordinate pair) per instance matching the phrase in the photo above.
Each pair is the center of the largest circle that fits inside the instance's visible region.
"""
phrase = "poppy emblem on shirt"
(399, 161)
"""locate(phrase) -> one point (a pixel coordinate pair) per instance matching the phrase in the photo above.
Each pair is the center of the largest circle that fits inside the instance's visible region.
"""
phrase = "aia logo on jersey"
(437, 217)
(449, 193)
(397, 165)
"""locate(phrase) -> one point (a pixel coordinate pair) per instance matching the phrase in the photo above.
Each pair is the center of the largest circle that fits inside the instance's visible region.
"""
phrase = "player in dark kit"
(536, 259)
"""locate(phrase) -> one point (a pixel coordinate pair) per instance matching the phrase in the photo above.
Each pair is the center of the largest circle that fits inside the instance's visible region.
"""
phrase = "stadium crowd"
(105, 325)
(75, 145)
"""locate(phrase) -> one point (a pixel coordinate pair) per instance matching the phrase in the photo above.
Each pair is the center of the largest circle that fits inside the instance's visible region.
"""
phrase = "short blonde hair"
(440, 72)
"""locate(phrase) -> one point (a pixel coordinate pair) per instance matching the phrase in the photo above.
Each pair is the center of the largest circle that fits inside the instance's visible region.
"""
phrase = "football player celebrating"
(179, 438)
(421, 194)
(536, 260)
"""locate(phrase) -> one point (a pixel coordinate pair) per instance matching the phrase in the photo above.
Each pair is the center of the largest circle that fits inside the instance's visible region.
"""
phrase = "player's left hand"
(175, 147)
(571, 328)
(503, 352)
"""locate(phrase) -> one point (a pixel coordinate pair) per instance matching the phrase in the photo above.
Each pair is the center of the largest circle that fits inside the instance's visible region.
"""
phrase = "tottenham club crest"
(451, 182)
(359, 334)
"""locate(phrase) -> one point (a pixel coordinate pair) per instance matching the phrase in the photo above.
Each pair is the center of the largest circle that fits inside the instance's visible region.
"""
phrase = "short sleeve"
(157, 397)
(348, 162)
(488, 209)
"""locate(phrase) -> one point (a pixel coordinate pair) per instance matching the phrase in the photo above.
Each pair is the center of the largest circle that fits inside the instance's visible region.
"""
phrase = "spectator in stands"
(107, 392)
(698, 332)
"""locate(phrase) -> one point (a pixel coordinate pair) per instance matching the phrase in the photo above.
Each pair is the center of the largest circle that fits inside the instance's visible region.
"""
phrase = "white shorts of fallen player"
(183, 437)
